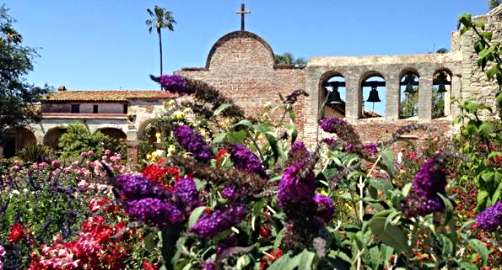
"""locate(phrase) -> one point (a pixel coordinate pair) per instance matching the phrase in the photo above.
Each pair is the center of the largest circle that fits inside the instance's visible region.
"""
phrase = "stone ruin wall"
(241, 65)
(475, 85)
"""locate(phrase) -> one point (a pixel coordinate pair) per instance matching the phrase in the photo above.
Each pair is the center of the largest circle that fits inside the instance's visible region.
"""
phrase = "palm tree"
(160, 18)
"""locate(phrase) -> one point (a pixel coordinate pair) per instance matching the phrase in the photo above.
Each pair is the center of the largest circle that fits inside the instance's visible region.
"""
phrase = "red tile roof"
(106, 95)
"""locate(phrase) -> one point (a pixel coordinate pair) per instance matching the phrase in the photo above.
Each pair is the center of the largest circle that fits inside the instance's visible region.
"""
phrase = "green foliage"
(494, 3)
(36, 153)
(409, 105)
(78, 139)
(287, 58)
(17, 97)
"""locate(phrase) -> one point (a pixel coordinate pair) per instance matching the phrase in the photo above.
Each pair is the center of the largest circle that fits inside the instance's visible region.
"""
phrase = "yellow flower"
(348, 206)
(324, 192)
(267, 105)
(171, 150)
(203, 132)
(178, 115)
(261, 137)
(157, 135)
(155, 154)
(148, 157)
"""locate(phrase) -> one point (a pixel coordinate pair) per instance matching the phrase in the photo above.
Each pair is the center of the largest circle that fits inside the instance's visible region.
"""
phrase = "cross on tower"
(243, 12)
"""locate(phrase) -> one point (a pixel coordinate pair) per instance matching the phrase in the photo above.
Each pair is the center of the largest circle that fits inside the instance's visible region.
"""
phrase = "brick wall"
(241, 65)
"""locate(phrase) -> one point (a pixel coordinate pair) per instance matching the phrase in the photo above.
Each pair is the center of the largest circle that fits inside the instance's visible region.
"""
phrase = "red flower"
(16, 233)
(160, 175)
(264, 232)
(149, 266)
(221, 153)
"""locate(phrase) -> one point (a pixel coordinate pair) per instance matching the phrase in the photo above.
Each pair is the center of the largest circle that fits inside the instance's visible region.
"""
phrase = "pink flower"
(55, 163)
(43, 165)
(83, 154)
(34, 166)
(108, 152)
(90, 153)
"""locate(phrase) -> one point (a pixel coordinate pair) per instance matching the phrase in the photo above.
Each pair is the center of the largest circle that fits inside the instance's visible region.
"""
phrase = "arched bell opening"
(374, 90)
(441, 91)
(408, 95)
(334, 93)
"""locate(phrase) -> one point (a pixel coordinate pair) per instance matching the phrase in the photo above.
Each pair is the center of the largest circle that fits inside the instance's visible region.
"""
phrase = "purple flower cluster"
(230, 193)
(342, 129)
(491, 218)
(370, 148)
(325, 208)
(193, 142)
(210, 225)
(296, 189)
(186, 193)
(147, 202)
(154, 211)
(297, 153)
(429, 181)
(134, 187)
(244, 159)
(175, 84)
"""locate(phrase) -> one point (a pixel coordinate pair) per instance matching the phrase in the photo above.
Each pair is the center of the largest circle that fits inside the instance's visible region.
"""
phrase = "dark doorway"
(9, 146)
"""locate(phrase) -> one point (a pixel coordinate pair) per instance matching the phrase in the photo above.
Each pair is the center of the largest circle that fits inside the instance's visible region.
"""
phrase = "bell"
(409, 84)
(442, 80)
(373, 95)
(334, 96)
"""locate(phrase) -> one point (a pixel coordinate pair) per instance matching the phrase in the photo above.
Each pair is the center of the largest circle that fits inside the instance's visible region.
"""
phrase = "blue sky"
(105, 44)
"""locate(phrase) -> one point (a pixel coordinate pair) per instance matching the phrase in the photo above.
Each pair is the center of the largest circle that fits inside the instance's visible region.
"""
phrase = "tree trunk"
(160, 47)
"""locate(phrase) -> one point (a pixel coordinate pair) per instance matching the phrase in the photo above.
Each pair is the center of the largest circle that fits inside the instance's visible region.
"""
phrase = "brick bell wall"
(241, 65)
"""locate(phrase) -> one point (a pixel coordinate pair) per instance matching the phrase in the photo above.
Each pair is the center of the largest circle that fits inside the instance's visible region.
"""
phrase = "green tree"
(494, 3)
(442, 50)
(78, 139)
(287, 58)
(408, 106)
(160, 18)
(18, 99)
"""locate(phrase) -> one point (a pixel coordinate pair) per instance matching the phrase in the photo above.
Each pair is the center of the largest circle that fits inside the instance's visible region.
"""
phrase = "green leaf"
(468, 266)
(278, 239)
(242, 262)
(447, 246)
(392, 235)
(449, 209)
(306, 259)
(221, 108)
(272, 141)
(480, 249)
(285, 262)
(246, 123)
(375, 257)
(169, 237)
(194, 216)
(406, 189)
(236, 136)
(385, 186)
(219, 138)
